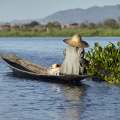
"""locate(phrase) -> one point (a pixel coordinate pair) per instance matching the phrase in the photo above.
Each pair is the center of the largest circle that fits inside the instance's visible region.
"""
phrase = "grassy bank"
(62, 32)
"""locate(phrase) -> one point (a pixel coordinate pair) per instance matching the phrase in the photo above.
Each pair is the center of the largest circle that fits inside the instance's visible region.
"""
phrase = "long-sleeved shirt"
(73, 57)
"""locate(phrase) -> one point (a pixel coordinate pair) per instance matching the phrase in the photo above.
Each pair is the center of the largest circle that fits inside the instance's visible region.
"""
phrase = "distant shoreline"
(99, 32)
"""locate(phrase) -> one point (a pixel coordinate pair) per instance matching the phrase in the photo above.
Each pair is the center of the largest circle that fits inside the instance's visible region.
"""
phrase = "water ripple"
(24, 99)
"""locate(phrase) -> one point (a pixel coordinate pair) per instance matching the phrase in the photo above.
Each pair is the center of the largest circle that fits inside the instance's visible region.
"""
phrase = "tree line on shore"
(110, 23)
(34, 28)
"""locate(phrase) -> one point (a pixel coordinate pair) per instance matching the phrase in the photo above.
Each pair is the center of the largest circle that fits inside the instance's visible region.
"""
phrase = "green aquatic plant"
(104, 62)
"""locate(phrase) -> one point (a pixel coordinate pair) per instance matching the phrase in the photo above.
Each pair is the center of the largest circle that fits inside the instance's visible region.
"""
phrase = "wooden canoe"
(21, 71)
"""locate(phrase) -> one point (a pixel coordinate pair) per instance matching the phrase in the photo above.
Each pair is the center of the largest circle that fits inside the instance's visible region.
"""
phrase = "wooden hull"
(20, 72)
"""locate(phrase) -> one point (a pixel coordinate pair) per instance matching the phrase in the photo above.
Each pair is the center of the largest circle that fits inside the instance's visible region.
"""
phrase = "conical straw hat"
(76, 41)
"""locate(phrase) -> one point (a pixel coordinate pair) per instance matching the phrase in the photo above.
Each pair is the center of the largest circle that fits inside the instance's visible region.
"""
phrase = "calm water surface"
(22, 99)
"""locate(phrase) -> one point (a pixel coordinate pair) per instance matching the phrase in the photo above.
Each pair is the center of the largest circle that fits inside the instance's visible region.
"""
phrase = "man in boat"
(74, 62)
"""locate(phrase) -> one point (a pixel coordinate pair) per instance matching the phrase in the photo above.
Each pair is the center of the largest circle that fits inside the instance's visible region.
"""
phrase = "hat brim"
(81, 44)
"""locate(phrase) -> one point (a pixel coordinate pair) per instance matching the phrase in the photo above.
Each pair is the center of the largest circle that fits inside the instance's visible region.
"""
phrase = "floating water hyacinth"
(104, 62)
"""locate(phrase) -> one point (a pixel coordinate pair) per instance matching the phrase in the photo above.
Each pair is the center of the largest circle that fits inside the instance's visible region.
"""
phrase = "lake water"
(22, 99)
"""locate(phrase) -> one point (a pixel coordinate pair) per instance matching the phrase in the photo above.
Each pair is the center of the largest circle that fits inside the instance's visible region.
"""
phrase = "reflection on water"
(24, 99)
(73, 96)
(73, 93)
